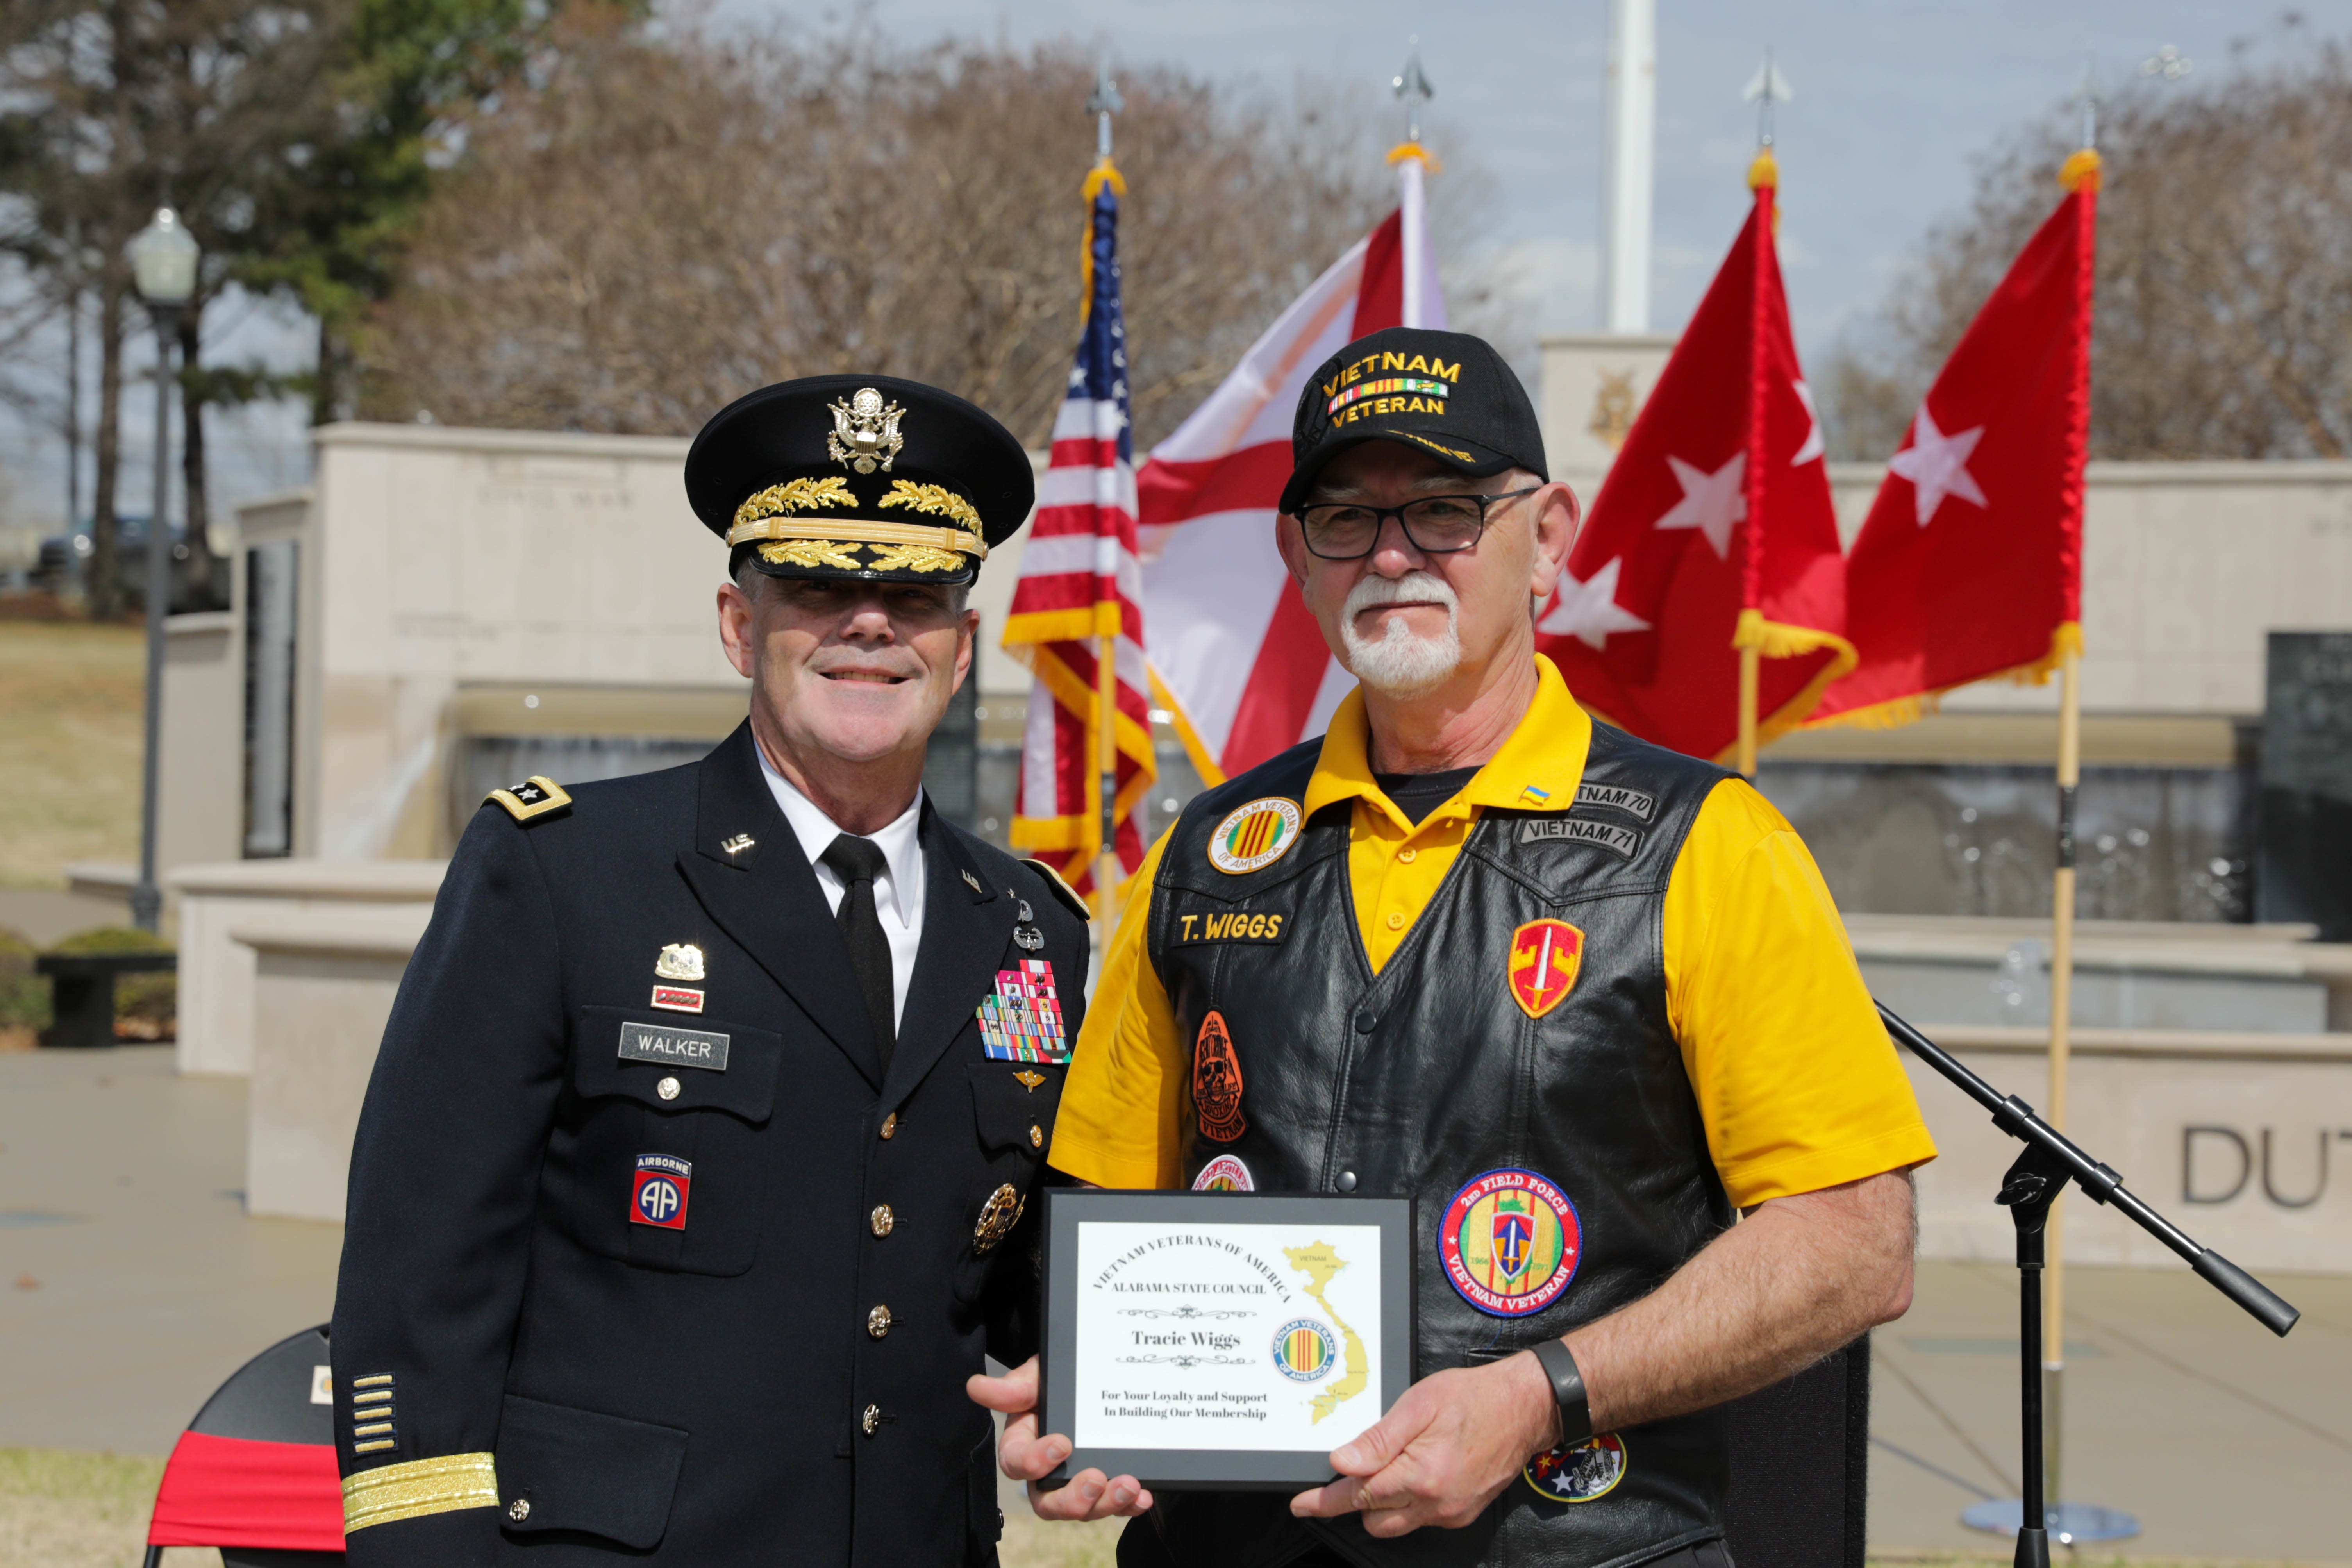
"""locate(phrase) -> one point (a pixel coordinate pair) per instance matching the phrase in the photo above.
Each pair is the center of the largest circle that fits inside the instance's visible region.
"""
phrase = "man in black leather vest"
(1583, 999)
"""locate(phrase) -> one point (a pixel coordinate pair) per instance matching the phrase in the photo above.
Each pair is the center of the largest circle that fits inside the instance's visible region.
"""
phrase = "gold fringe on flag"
(1898, 712)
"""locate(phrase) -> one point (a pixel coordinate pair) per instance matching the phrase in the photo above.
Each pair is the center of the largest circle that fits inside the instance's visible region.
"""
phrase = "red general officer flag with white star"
(1713, 530)
(1971, 563)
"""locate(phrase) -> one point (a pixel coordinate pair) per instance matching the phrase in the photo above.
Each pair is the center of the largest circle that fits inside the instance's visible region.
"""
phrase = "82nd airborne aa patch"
(659, 1194)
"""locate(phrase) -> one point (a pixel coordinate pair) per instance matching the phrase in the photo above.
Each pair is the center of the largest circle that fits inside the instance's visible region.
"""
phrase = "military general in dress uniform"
(1584, 1000)
(692, 1178)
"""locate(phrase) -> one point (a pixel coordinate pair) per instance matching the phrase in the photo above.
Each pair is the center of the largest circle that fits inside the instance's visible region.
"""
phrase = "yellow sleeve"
(1798, 1085)
(1124, 1094)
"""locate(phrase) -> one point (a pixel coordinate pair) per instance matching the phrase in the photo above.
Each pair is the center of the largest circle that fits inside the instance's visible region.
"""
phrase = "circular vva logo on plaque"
(1304, 1349)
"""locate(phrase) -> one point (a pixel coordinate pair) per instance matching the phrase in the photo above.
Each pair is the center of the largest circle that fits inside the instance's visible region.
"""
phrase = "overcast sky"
(1892, 103)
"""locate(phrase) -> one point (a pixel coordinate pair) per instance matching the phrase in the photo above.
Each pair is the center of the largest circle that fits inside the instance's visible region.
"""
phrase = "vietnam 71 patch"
(1021, 1020)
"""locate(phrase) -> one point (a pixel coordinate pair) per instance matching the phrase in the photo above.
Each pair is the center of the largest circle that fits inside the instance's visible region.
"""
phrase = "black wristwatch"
(1567, 1391)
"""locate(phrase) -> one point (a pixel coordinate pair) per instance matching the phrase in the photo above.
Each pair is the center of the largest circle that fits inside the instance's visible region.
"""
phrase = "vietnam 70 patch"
(1021, 1020)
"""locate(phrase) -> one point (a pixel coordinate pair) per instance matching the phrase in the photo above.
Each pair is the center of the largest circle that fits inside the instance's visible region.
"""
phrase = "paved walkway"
(132, 1283)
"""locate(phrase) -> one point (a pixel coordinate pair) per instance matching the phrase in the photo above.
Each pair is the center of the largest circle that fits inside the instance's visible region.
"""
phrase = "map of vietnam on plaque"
(1318, 1262)
(1233, 1337)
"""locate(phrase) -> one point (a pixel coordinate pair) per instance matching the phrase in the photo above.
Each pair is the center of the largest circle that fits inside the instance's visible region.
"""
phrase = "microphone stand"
(2049, 1161)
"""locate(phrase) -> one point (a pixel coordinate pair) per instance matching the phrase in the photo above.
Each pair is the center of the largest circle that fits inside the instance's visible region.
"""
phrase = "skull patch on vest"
(1217, 1081)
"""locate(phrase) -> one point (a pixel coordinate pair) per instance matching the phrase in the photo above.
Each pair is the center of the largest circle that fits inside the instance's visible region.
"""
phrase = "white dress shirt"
(897, 892)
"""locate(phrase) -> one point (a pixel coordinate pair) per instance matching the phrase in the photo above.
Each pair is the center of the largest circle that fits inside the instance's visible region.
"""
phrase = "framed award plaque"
(1222, 1340)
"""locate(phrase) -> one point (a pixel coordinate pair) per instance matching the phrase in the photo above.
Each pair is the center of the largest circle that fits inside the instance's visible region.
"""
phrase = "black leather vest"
(1434, 1074)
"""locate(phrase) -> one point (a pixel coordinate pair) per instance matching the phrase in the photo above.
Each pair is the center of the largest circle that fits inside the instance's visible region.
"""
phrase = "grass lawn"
(62, 1509)
(69, 738)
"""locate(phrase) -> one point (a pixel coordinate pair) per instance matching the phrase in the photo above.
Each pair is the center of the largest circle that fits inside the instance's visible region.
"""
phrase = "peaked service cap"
(858, 477)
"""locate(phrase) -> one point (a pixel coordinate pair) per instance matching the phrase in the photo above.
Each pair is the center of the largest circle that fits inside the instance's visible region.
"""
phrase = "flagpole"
(1752, 671)
(1105, 102)
(2061, 985)
(1763, 177)
(2062, 881)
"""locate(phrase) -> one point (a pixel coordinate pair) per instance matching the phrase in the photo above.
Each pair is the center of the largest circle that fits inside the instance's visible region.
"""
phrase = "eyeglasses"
(1435, 525)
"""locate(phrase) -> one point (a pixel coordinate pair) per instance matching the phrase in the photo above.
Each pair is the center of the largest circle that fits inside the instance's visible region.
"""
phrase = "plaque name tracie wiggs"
(1225, 1339)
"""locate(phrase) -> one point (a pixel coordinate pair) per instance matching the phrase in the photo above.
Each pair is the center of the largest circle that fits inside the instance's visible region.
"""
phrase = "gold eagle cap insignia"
(865, 431)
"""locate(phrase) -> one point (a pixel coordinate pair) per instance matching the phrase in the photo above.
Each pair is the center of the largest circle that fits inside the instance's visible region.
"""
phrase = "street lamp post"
(164, 264)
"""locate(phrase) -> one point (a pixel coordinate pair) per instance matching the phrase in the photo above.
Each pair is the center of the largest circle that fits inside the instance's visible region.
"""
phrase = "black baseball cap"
(864, 477)
(1447, 394)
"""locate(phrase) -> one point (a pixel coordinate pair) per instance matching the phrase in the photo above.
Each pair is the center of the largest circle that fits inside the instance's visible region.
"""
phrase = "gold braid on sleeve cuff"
(418, 1488)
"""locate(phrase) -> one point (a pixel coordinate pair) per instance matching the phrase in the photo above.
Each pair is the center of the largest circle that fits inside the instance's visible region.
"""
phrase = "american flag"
(1079, 584)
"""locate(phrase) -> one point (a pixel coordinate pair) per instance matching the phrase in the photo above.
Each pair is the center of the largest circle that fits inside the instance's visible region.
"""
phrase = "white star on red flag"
(1813, 445)
(1937, 465)
(1712, 503)
(1589, 611)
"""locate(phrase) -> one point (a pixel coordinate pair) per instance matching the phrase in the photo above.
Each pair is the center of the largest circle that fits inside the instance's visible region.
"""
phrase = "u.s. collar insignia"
(535, 796)
(865, 431)
(679, 961)
(1577, 1472)
(974, 882)
(1255, 836)
(736, 845)
(1029, 1081)
(998, 1215)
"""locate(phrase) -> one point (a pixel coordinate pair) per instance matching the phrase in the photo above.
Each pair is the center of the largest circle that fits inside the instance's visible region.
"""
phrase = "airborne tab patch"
(535, 797)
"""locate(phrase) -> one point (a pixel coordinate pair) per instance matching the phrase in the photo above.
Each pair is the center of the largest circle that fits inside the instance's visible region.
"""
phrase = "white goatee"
(1400, 664)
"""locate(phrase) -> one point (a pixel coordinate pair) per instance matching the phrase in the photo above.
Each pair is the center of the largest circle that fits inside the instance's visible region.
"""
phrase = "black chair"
(1801, 1467)
(254, 1472)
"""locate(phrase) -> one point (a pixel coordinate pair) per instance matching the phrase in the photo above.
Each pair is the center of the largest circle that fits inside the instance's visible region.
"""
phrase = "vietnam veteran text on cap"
(1446, 394)
(862, 477)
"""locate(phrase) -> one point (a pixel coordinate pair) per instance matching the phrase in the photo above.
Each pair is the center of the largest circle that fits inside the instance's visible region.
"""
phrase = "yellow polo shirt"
(1797, 1083)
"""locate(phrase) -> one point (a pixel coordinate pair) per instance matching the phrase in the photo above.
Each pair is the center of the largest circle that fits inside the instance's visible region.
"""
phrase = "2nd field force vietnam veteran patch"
(1255, 836)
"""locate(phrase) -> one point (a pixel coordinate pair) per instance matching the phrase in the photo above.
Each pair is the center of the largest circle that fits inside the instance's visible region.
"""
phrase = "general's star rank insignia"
(535, 797)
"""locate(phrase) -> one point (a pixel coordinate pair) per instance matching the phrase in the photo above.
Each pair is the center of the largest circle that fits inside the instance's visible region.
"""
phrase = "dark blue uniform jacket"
(528, 1368)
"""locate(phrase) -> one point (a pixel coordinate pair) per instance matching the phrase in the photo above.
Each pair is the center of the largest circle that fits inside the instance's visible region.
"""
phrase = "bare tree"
(2223, 322)
(659, 226)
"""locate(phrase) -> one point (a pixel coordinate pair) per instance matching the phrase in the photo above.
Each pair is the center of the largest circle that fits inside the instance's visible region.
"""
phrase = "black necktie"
(857, 861)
